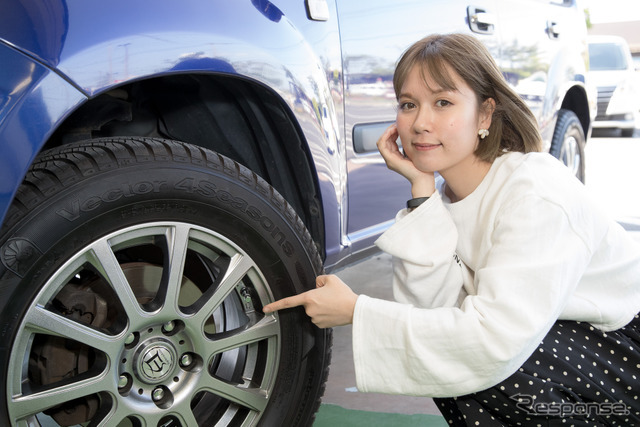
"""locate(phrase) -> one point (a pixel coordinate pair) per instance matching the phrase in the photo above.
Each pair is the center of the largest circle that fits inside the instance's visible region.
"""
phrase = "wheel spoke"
(265, 328)
(253, 398)
(107, 264)
(238, 268)
(178, 241)
(21, 406)
(183, 412)
(41, 320)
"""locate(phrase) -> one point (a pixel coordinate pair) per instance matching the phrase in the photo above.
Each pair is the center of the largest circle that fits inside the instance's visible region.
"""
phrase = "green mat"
(336, 416)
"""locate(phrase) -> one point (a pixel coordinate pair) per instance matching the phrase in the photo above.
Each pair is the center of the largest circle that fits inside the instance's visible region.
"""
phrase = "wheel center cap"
(156, 361)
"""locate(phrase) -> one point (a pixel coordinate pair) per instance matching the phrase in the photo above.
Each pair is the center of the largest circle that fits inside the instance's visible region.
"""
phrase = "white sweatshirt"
(479, 283)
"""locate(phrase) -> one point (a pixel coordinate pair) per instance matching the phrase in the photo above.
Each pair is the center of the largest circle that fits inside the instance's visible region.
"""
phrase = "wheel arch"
(576, 100)
(233, 116)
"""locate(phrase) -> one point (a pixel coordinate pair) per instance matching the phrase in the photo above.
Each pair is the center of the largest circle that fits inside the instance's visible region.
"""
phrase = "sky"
(613, 10)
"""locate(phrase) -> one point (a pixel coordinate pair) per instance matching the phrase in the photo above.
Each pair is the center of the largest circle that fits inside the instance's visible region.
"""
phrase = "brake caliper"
(55, 359)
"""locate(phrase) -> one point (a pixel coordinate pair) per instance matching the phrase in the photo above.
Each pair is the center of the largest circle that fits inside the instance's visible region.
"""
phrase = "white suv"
(612, 71)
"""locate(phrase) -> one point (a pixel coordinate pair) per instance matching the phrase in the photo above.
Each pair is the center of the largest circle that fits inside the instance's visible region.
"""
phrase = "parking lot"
(612, 178)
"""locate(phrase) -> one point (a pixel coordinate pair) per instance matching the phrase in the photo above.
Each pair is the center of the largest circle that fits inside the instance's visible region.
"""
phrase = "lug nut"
(157, 394)
(169, 326)
(130, 339)
(186, 360)
(123, 381)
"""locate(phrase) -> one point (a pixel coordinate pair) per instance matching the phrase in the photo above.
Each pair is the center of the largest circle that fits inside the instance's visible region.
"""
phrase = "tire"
(568, 143)
(133, 276)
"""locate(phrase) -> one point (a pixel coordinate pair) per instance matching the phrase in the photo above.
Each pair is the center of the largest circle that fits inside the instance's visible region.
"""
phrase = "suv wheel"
(568, 142)
(134, 272)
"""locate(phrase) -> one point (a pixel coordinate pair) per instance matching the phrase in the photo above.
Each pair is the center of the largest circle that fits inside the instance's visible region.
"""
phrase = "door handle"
(480, 21)
(318, 10)
(553, 29)
(484, 18)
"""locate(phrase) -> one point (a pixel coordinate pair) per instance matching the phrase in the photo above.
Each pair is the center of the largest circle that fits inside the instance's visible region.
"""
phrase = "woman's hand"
(331, 304)
(422, 183)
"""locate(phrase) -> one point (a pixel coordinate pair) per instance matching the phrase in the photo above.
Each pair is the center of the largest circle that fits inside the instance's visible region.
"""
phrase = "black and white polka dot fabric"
(578, 376)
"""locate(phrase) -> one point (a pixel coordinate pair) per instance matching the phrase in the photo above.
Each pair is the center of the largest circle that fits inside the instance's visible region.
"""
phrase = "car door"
(373, 36)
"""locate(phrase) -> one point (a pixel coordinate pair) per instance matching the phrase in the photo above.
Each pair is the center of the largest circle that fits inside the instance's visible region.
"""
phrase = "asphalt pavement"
(612, 177)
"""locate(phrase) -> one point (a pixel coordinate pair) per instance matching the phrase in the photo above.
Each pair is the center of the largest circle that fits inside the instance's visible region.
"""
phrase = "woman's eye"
(407, 105)
(442, 103)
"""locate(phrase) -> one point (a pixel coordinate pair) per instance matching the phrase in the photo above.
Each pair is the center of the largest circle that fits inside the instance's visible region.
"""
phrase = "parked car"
(612, 70)
(167, 169)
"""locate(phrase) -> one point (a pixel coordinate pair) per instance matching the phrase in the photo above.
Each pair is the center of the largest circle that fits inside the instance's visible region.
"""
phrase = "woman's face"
(439, 128)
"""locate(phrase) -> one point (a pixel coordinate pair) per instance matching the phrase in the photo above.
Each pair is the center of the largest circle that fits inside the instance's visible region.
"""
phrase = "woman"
(517, 298)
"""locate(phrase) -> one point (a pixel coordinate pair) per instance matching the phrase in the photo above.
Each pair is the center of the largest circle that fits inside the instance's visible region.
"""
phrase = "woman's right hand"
(331, 304)
(422, 183)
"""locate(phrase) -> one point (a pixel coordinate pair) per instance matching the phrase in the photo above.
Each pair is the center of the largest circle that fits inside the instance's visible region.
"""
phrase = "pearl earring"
(483, 133)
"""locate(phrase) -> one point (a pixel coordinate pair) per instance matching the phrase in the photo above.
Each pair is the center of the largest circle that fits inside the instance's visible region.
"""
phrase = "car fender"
(33, 101)
(280, 49)
(569, 71)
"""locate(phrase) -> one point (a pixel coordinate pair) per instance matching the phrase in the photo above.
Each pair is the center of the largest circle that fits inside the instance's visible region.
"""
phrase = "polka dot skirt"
(578, 376)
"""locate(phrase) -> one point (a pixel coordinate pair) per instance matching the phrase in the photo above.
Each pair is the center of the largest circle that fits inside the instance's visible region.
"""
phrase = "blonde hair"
(513, 125)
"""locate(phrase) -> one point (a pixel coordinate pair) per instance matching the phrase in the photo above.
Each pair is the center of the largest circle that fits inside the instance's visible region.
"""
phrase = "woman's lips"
(424, 147)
